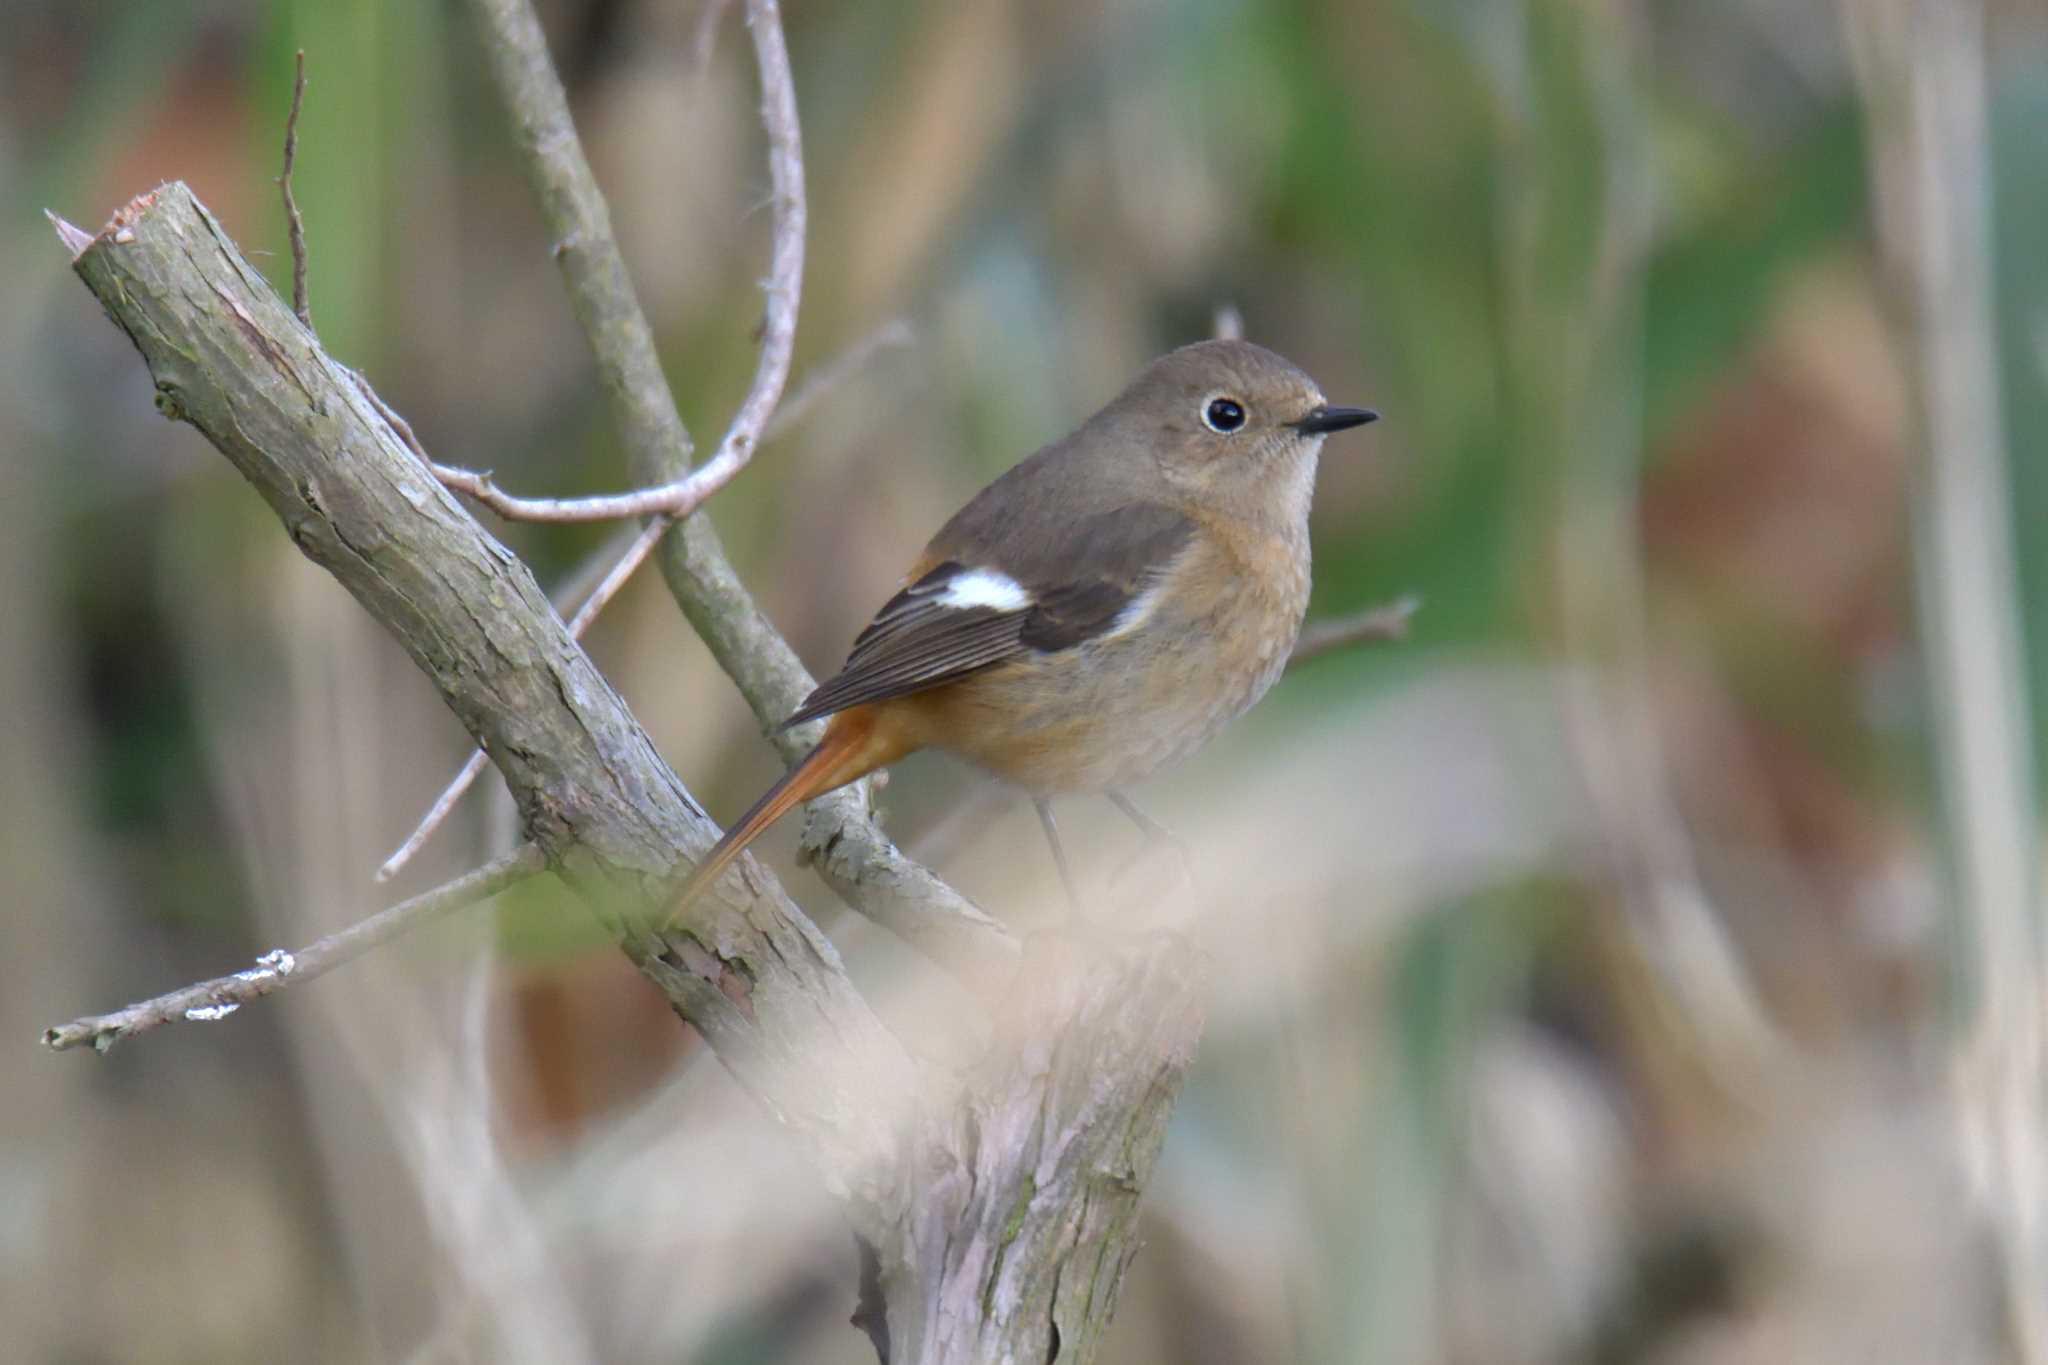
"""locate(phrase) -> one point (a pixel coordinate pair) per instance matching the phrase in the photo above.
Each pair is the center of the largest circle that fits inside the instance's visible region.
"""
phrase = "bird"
(1098, 612)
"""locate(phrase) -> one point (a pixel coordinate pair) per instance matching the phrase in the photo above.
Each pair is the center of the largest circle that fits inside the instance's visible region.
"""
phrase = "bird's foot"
(1157, 838)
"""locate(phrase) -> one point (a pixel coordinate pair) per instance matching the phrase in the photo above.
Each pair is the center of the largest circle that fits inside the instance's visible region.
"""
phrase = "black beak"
(1325, 419)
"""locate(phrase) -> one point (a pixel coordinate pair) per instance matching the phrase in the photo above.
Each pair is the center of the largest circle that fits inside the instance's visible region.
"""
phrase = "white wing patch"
(984, 588)
(1136, 612)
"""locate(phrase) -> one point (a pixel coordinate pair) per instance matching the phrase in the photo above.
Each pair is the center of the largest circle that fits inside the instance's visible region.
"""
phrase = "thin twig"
(1381, 623)
(580, 232)
(763, 987)
(892, 334)
(622, 568)
(75, 238)
(1922, 65)
(222, 996)
(400, 428)
(704, 40)
(885, 1129)
(1581, 396)
(624, 558)
(436, 816)
(783, 288)
(295, 225)
(854, 856)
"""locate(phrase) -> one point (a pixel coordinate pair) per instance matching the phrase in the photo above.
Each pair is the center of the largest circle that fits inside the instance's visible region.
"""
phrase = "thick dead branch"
(623, 566)
(850, 850)
(295, 223)
(1017, 1250)
(606, 572)
(756, 978)
(999, 1208)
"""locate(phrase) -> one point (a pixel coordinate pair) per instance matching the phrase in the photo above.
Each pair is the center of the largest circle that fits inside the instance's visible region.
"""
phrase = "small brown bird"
(1099, 611)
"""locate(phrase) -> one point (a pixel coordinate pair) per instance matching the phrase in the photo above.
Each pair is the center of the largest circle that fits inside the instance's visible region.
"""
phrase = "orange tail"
(855, 744)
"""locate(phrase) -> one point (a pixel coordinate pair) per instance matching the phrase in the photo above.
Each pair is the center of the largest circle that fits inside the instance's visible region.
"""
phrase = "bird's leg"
(1059, 854)
(1156, 833)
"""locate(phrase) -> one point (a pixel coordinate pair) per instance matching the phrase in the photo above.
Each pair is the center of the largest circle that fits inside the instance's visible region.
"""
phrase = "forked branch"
(611, 568)
(847, 848)
(530, 86)
(758, 980)
(999, 1207)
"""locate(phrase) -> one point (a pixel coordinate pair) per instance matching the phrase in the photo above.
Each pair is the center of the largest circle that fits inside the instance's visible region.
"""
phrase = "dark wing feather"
(1077, 585)
(913, 643)
(1099, 565)
(1074, 614)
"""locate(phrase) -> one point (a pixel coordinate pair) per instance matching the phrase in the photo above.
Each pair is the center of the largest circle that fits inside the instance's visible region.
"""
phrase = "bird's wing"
(970, 610)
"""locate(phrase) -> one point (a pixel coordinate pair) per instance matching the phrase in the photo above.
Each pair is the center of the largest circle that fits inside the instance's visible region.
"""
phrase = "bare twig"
(1229, 323)
(1381, 623)
(400, 428)
(624, 557)
(892, 334)
(778, 337)
(854, 857)
(622, 568)
(623, 563)
(75, 238)
(987, 800)
(704, 38)
(786, 255)
(1922, 66)
(1001, 1206)
(436, 816)
(222, 996)
(670, 500)
(295, 225)
(751, 972)
(1571, 326)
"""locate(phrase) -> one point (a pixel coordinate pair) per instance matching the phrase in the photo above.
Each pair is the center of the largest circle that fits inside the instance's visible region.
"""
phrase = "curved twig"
(222, 996)
(784, 288)
(622, 558)
(853, 855)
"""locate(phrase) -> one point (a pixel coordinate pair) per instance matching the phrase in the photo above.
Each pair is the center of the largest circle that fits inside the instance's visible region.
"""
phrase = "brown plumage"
(1101, 609)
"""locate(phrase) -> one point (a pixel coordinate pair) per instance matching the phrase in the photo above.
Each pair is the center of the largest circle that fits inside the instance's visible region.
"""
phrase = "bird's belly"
(1114, 710)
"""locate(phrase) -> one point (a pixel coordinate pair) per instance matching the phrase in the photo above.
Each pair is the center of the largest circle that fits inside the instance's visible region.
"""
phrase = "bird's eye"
(1223, 415)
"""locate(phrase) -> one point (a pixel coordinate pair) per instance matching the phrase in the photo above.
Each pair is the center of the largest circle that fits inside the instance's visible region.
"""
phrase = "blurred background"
(1637, 963)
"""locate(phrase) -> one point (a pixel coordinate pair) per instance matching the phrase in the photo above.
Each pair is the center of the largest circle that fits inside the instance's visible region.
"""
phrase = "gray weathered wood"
(755, 976)
(999, 1206)
(848, 847)
(1027, 1213)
